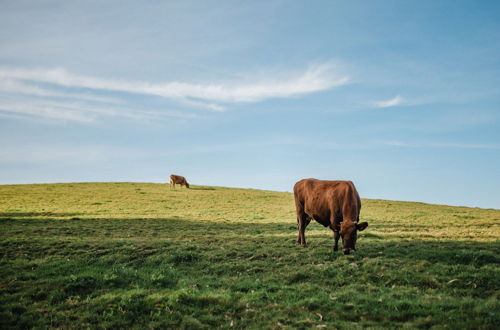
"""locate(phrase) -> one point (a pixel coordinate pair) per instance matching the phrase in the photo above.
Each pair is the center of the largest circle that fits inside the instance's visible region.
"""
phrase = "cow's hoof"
(335, 249)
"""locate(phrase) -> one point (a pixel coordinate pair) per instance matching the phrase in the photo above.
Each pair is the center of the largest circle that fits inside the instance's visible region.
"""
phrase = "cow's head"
(349, 234)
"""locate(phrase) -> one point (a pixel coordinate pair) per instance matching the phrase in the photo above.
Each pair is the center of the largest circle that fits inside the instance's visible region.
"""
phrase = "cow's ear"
(361, 226)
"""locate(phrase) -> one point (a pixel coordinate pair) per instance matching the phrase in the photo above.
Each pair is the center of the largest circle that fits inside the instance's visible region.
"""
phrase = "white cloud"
(398, 100)
(44, 110)
(211, 106)
(33, 93)
(13, 86)
(316, 78)
(83, 112)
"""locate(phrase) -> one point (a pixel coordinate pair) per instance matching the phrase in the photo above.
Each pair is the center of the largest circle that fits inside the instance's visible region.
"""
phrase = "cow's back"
(325, 200)
(177, 179)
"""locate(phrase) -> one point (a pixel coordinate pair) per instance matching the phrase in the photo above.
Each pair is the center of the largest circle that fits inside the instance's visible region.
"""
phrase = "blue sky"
(401, 97)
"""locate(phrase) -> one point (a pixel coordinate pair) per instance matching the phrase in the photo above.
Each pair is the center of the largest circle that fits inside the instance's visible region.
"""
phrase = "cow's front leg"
(336, 236)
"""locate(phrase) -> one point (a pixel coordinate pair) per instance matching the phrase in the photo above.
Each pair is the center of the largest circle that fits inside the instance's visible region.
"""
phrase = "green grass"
(134, 255)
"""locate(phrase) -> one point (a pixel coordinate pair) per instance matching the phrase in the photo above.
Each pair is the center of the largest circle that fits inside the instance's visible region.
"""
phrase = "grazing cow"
(334, 204)
(177, 179)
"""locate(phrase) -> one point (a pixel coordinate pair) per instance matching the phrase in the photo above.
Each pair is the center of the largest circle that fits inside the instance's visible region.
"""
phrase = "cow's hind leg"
(299, 239)
(303, 220)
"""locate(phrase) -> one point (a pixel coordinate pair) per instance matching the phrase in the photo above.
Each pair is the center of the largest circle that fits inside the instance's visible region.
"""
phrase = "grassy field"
(137, 255)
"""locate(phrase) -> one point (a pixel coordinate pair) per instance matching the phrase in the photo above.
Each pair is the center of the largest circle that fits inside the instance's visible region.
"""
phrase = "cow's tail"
(299, 204)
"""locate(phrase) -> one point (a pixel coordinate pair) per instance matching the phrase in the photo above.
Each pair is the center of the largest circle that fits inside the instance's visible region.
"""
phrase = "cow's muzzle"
(348, 251)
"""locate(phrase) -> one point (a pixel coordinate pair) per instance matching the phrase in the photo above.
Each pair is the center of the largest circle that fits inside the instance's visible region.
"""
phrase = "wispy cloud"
(452, 145)
(315, 78)
(56, 93)
(60, 112)
(83, 112)
(13, 86)
(397, 100)
(211, 106)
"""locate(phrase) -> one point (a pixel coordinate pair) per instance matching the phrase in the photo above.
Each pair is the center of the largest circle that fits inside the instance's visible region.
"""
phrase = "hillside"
(143, 255)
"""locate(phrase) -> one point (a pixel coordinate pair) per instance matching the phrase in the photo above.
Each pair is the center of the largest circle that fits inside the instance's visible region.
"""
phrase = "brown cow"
(334, 204)
(177, 179)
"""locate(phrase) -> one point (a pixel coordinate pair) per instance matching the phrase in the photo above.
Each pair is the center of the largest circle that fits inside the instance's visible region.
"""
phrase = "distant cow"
(177, 179)
(334, 204)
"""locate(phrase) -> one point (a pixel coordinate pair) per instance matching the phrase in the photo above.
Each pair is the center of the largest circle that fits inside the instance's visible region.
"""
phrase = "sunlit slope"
(135, 254)
(391, 219)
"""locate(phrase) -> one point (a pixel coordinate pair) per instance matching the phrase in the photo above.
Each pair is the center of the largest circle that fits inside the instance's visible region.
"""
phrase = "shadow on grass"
(190, 188)
(24, 215)
(202, 188)
(203, 234)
